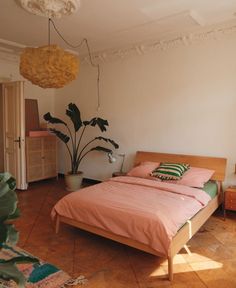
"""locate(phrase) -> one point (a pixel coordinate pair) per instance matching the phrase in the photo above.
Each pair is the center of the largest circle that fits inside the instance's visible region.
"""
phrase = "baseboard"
(90, 181)
(61, 175)
(85, 180)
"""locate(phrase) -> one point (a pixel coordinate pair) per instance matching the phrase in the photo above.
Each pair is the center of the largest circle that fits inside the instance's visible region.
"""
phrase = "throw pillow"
(143, 170)
(195, 177)
(170, 171)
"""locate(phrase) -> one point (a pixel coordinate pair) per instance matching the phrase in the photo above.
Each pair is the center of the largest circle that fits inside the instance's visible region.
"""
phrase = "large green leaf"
(12, 183)
(8, 204)
(15, 215)
(5, 177)
(3, 233)
(74, 114)
(4, 188)
(20, 260)
(112, 142)
(7, 182)
(101, 123)
(8, 271)
(100, 148)
(63, 137)
(12, 235)
(8, 234)
(53, 120)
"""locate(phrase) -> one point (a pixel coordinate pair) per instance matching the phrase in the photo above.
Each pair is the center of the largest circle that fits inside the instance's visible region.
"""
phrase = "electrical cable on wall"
(85, 40)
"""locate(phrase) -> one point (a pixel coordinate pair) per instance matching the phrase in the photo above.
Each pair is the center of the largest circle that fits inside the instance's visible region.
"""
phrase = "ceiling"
(112, 24)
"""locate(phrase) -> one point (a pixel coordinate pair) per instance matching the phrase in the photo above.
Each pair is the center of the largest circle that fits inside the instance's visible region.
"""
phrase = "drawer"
(233, 208)
(228, 199)
(230, 205)
(230, 202)
(34, 143)
(230, 195)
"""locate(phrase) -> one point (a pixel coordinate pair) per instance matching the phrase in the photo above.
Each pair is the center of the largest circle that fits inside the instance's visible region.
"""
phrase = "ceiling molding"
(9, 57)
(162, 45)
(197, 18)
(215, 33)
(11, 44)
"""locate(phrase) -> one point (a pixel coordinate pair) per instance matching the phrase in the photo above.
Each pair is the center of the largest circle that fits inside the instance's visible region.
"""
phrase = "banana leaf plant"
(76, 151)
(8, 234)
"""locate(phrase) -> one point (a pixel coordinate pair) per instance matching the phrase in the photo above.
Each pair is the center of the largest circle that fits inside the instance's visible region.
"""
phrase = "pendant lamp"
(49, 66)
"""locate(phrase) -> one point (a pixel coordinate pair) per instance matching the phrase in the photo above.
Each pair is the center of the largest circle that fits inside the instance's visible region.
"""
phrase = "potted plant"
(8, 234)
(76, 151)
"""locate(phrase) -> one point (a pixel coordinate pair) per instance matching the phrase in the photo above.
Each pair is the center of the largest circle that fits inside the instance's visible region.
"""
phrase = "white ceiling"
(110, 24)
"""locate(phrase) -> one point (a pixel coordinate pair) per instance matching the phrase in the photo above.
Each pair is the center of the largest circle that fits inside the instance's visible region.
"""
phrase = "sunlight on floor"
(203, 263)
(197, 266)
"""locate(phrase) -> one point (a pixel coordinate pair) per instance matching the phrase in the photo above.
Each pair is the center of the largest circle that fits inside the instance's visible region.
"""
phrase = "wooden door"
(14, 131)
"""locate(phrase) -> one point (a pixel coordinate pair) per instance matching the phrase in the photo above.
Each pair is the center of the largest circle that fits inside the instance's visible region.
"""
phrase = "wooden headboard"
(214, 163)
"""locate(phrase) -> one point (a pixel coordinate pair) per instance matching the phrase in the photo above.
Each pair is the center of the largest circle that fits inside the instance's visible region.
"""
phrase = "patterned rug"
(42, 275)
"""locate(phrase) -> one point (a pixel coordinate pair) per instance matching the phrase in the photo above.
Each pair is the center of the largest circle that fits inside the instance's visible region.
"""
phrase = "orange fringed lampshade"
(48, 66)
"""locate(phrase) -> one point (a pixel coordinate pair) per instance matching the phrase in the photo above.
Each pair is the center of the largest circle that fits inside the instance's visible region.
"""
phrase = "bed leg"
(170, 268)
(57, 224)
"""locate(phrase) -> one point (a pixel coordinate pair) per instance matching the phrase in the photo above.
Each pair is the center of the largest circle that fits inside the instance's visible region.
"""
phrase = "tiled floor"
(109, 264)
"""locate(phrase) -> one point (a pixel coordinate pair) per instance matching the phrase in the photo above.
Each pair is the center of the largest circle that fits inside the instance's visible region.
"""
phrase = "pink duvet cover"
(148, 211)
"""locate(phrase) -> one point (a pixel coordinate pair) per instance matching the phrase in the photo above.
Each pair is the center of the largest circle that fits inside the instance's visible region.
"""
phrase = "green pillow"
(170, 171)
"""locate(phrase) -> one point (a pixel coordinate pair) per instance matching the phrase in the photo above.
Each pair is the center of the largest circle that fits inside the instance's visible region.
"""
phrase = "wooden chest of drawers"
(41, 157)
(230, 198)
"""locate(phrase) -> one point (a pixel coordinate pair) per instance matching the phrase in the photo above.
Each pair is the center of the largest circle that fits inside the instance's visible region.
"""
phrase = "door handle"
(19, 142)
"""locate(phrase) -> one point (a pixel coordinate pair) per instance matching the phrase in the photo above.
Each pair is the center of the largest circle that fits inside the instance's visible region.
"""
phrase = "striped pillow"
(170, 171)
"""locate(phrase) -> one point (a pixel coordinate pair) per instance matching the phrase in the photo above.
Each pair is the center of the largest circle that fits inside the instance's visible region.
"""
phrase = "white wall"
(182, 100)
(45, 97)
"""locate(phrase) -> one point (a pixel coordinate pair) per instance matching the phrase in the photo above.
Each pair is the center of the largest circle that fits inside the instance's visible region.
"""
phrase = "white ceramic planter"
(73, 181)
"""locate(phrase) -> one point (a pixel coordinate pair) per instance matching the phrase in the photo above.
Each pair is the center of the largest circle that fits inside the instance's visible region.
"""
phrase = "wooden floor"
(112, 265)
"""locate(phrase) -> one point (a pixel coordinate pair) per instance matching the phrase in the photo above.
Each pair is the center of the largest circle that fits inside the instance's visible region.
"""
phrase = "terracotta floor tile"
(120, 274)
(113, 273)
(203, 239)
(230, 266)
(150, 271)
(226, 238)
(213, 274)
(228, 283)
(88, 245)
(37, 251)
(63, 262)
(211, 252)
(106, 279)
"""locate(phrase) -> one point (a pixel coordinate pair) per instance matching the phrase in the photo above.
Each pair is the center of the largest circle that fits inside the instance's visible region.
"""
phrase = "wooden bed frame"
(191, 226)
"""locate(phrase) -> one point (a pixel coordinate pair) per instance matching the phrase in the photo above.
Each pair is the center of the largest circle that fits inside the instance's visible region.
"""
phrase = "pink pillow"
(195, 177)
(143, 170)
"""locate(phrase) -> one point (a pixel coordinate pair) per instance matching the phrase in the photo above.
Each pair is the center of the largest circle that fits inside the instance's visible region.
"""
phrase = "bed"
(179, 238)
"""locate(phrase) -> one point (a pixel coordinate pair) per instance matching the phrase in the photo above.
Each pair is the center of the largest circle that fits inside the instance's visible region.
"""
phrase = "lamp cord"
(85, 40)
(49, 32)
